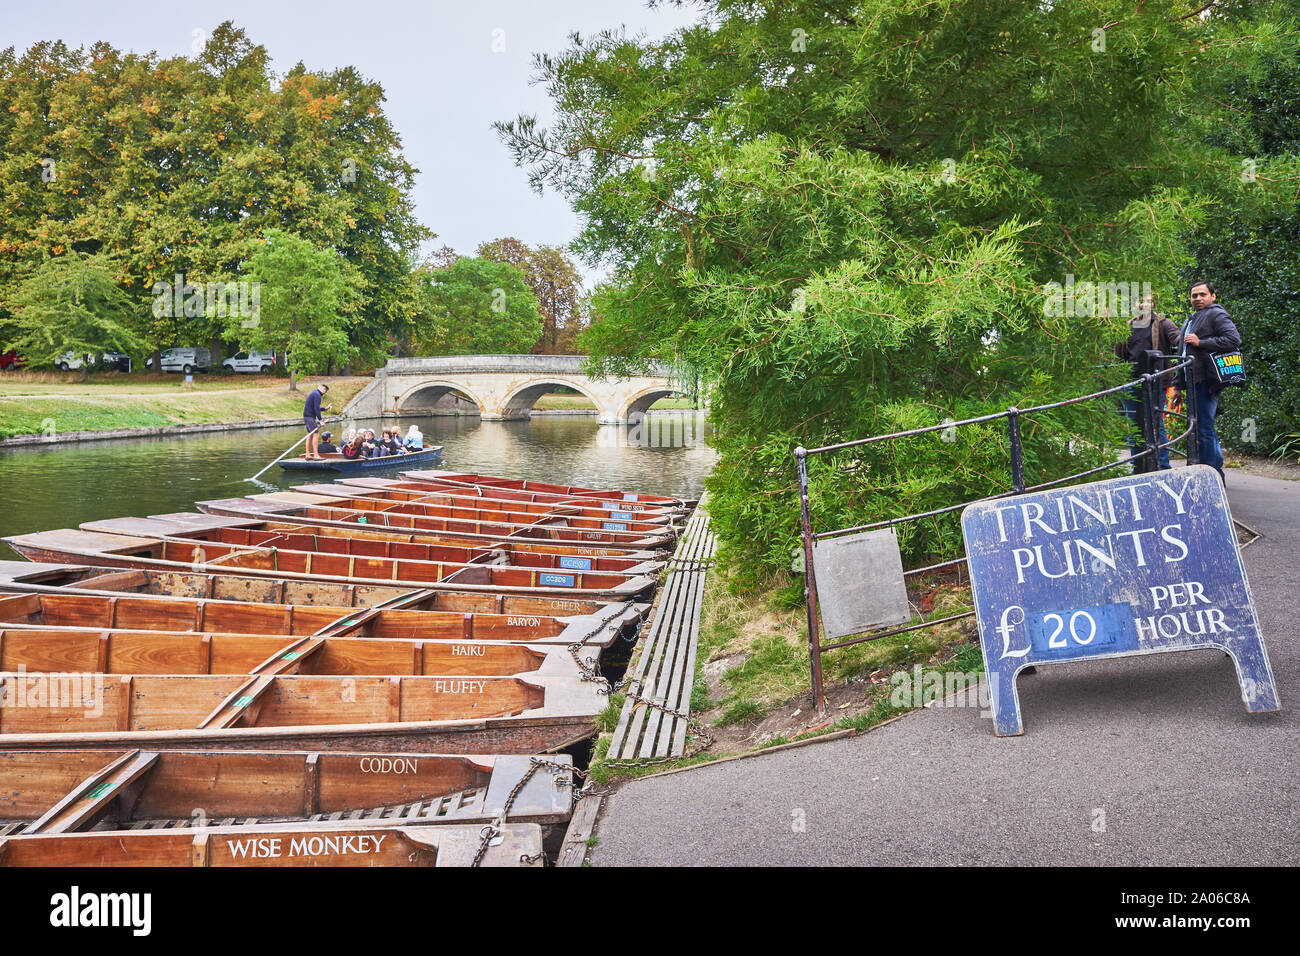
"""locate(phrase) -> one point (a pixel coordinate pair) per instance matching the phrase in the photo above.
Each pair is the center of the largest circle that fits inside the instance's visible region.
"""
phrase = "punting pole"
(286, 451)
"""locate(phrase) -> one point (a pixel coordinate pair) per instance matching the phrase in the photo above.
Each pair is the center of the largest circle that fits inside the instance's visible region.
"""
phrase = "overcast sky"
(444, 82)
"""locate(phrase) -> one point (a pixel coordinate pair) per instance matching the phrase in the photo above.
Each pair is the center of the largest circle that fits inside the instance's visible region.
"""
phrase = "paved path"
(1160, 744)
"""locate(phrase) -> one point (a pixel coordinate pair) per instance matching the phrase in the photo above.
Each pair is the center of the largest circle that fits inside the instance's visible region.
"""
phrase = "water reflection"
(46, 486)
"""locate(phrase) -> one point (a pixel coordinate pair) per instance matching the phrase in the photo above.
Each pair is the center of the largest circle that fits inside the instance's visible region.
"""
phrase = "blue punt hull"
(339, 464)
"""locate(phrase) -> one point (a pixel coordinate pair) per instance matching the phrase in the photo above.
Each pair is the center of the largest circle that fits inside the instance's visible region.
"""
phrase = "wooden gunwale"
(63, 546)
(64, 791)
(23, 577)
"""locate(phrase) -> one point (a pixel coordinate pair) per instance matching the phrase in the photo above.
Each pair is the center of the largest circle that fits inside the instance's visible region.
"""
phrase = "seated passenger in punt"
(352, 449)
(327, 446)
(414, 441)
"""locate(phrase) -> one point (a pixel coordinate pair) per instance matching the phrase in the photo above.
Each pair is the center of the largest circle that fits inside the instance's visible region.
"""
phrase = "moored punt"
(542, 489)
(515, 553)
(35, 649)
(448, 714)
(21, 576)
(81, 791)
(349, 512)
(540, 520)
(38, 605)
(338, 463)
(356, 843)
(348, 561)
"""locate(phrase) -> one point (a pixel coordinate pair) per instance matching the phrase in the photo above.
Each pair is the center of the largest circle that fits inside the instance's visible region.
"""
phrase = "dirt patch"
(1263, 467)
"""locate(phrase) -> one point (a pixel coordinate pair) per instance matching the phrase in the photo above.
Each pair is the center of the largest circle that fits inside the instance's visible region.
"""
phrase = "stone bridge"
(504, 387)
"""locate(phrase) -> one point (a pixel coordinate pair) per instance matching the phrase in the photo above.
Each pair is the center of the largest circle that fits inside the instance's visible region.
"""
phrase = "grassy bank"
(33, 403)
(753, 685)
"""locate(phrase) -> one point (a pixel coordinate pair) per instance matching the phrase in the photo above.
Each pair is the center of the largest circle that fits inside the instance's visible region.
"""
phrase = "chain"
(494, 829)
(704, 739)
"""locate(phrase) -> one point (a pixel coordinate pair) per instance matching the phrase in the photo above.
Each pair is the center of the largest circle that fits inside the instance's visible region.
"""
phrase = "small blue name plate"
(625, 515)
(615, 526)
(1134, 565)
(630, 497)
(548, 580)
(575, 564)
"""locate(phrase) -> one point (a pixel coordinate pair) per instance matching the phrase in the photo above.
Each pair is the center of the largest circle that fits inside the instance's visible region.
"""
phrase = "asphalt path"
(1138, 761)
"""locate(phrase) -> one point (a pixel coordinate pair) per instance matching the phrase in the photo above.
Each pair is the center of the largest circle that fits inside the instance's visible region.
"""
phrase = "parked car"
(184, 360)
(9, 361)
(70, 361)
(250, 362)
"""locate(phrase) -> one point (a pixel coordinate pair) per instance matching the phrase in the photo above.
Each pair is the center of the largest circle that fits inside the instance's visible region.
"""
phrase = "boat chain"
(592, 676)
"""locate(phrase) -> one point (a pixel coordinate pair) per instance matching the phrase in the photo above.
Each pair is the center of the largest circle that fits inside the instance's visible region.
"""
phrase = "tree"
(554, 279)
(177, 166)
(476, 306)
(1249, 252)
(846, 215)
(306, 301)
(71, 303)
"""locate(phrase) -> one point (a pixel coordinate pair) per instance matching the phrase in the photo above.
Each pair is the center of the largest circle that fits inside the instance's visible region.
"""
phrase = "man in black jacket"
(1209, 330)
(1148, 331)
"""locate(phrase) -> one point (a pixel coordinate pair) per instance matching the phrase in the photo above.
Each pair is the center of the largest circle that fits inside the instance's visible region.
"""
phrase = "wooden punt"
(27, 648)
(514, 553)
(537, 519)
(544, 489)
(343, 511)
(308, 556)
(43, 606)
(439, 714)
(474, 492)
(28, 576)
(337, 463)
(356, 843)
(83, 791)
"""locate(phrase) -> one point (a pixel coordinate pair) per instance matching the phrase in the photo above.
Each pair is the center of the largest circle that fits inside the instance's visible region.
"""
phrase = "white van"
(250, 362)
(183, 360)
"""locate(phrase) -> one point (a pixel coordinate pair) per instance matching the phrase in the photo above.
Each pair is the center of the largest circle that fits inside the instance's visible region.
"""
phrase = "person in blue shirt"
(311, 413)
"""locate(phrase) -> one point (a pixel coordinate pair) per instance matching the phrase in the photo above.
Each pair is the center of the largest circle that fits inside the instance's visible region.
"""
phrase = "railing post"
(1150, 436)
(1193, 417)
(1017, 457)
(810, 581)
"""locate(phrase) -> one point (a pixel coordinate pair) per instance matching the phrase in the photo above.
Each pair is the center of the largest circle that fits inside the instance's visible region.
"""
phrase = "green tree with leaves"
(476, 306)
(71, 303)
(845, 215)
(306, 304)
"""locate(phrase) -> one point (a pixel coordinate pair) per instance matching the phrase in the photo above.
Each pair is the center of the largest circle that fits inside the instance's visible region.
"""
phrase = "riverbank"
(39, 407)
(753, 685)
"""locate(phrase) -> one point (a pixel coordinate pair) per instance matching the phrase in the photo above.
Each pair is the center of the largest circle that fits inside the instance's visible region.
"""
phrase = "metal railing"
(1145, 460)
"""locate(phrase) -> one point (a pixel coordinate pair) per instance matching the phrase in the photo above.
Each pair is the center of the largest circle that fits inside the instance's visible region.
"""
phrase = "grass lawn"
(33, 403)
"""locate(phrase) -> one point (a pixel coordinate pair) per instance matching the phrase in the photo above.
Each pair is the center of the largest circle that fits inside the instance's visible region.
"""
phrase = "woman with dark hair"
(352, 450)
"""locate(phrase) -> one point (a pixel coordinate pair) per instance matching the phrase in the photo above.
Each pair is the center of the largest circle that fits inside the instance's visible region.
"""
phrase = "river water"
(59, 486)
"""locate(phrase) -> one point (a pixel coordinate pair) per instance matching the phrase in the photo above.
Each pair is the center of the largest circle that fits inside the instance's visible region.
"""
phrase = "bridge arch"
(519, 402)
(429, 392)
(639, 402)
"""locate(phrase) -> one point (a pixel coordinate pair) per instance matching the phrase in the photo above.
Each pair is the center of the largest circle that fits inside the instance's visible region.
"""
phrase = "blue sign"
(575, 564)
(548, 580)
(625, 515)
(610, 505)
(630, 497)
(1135, 565)
(615, 526)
